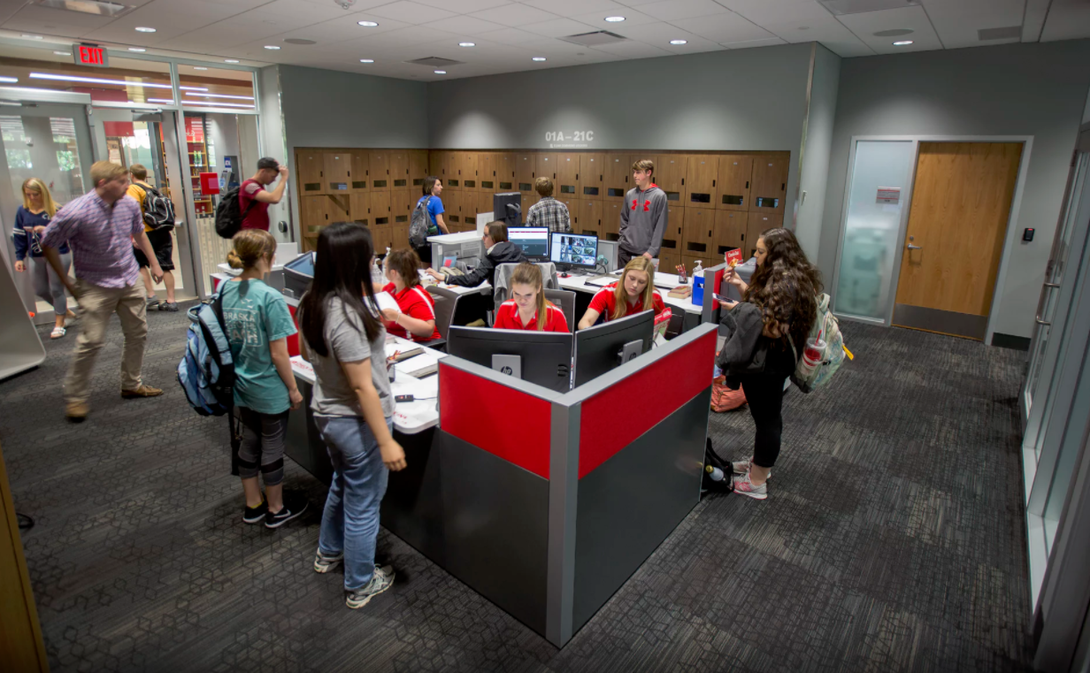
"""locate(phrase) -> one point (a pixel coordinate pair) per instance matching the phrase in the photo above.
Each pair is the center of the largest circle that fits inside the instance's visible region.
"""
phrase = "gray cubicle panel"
(20, 346)
(713, 278)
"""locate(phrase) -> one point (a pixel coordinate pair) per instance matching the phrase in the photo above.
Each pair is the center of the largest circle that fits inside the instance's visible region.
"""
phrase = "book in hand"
(400, 352)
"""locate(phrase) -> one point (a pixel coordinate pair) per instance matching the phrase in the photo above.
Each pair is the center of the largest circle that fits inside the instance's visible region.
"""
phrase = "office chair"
(565, 299)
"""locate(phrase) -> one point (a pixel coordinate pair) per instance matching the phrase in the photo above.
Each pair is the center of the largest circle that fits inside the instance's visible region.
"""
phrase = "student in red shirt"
(633, 294)
(528, 304)
(416, 319)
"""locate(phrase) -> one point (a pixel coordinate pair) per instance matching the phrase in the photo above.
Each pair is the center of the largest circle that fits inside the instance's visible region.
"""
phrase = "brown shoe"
(142, 391)
(76, 412)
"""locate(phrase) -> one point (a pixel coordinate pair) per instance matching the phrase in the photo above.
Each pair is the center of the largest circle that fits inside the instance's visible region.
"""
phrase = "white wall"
(810, 207)
(272, 144)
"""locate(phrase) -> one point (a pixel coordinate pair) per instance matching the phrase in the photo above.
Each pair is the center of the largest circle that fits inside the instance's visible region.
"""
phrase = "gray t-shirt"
(347, 342)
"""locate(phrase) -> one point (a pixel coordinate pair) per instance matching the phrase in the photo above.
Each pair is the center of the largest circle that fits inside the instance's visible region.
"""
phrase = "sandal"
(57, 333)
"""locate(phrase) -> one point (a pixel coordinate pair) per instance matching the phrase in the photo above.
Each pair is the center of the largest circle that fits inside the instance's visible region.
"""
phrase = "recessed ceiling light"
(367, 60)
(197, 67)
(467, 44)
(679, 42)
(367, 24)
(440, 72)
(137, 49)
(9, 80)
(230, 60)
(272, 46)
(902, 43)
(539, 58)
(144, 29)
(31, 37)
(615, 19)
(62, 53)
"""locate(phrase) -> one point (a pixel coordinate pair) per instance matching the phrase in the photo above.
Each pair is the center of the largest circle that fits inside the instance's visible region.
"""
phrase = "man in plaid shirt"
(548, 212)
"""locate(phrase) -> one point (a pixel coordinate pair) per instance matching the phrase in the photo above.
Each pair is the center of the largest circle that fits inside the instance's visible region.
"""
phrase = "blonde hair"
(620, 296)
(106, 170)
(530, 274)
(36, 185)
(251, 246)
(644, 165)
(543, 186)
(138, 171)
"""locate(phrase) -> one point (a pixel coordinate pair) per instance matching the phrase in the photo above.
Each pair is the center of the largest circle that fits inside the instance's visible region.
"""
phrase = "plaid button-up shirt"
(100, 237)
(548, 212)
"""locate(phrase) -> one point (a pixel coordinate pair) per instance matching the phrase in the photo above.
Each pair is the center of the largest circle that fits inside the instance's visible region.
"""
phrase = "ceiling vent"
(1010, 32)
(841, 7)
(436, 62)
(299, 40)
(96, 7)
(594, 39)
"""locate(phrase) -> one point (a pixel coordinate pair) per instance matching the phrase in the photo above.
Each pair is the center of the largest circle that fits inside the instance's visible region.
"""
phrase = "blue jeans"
(350, 519)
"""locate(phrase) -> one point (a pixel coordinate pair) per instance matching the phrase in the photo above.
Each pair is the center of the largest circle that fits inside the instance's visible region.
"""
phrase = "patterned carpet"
(893, 540)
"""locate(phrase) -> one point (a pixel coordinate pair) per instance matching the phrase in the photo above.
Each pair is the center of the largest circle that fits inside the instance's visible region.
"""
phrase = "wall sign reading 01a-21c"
(573, 139)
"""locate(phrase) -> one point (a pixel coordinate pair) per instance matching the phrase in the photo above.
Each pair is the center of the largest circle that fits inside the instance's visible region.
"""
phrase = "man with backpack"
(158, 230)
(254, 200)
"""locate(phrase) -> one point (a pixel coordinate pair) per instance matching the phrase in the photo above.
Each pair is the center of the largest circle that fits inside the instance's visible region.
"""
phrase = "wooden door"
(361, 179)
(359, 208)
(314, 214)
(378, 162)
(486, 171)
(383, 238)
(338, 207)
(757, 224)
(338, 171)
(311, 168)
(505, 165)
(399, 169)
(573, 208)
(769, 190)
(700, 181)
(669, 175)
(617, 178)
(732, 187)
(611, 220)
(528, 199)
(525, 164)
(545, 166)
(674, 236)
(402, 203)
(587, 217)
(956, 229)
(484, 203)
(730, 232)
(591, 176)
(439, 164)
(467, 170)
(567, 175)
(452, 210)
(697, 237)
(668, 260)
(418, 170)
(380, 208)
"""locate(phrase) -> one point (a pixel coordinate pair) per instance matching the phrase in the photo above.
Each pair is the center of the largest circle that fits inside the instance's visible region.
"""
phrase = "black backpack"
(229, 215)
(158, 209)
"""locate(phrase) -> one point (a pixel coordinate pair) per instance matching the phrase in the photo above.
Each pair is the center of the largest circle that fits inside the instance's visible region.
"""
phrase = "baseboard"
(1016, 343)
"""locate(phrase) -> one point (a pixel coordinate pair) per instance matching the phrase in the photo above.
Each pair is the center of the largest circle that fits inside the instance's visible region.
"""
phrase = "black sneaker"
(255, 514)
(293, 507)
(153, 302)
(171, 306)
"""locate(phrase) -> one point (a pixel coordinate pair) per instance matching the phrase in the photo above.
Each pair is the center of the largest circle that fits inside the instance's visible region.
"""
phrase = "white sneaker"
(381, 580)
(742, 467)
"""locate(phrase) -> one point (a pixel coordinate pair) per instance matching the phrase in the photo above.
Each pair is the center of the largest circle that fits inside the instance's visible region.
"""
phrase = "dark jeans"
(624, 257)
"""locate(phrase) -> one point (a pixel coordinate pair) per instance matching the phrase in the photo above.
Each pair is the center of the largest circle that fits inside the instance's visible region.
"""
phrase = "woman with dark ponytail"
(352, 405)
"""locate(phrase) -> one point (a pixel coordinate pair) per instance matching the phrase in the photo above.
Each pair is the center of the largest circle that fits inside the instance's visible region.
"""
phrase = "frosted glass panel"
(880, 183)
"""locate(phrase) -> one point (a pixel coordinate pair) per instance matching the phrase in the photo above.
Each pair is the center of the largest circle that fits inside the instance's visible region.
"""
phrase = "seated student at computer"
(633, 294)
(528, 304)
(416, 318)
(498, 251)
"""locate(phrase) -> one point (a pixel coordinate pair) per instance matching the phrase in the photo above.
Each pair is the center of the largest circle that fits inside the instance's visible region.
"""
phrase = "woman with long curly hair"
(784, 289)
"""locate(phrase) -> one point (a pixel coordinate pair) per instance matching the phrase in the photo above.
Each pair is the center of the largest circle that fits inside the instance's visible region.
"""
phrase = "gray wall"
(810, 207)
(1036, 90)
(271, 143)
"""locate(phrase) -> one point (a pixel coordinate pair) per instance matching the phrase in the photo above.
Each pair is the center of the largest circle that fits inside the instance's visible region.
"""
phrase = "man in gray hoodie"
(643, 219)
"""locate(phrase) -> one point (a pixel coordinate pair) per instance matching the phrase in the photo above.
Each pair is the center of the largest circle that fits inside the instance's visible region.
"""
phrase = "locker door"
(530, 198)
(467, 171)
(545, 166)
(706, 260)
(588, 217)
(611, 220)
(401, 206)
(418, 170)
(700, 181)
(399, 236)
(525, 163)
(730, 232)
(759, 223)
(673, 239)
(573, 207)
(338, 170)
(439, 164)
(359, 208)
(379, 170)
(311, 167)
(382, 237)
(399, 169)
(670, 172)
(505, 165)
(452, 207)
(591, 177)
(668, 261)
(380, 209)
(617, 178)
(697, 237)
(486, 172)
(732, 190)
(484, 203)
(361, 180)
(314, 216)
(338, 208)
(769, 190)
(567, 176)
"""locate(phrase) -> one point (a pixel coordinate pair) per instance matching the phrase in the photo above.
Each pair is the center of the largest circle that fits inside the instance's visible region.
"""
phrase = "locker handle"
(713, 183)
(747, 184)
(783, 186)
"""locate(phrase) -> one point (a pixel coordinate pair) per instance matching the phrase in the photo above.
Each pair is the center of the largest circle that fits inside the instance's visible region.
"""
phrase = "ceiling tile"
(778, 11)
(1066, 21)
(749, 44)
(52, 21)
(865, 25)
(957, 22)
(407, 11)
(657, 32)
(632, 18)
(827, 30)
(633, 50)
(694, 45)
(571, 7)
(721, 28)
(514, 15)
(465, 25)
(558, 28)
(672, 10)
(464, 6)
(513, 36)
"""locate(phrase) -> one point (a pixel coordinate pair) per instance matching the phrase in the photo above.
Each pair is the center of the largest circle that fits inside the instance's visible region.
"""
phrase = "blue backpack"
(207, 370)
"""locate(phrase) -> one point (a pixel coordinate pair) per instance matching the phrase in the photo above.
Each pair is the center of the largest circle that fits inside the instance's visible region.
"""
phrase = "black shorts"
(163, 245)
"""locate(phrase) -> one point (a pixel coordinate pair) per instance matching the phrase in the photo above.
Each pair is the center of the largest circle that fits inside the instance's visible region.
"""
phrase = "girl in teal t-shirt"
(258, 324)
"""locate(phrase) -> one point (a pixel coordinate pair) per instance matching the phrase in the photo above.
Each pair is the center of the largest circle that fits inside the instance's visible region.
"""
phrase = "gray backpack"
(420, 227)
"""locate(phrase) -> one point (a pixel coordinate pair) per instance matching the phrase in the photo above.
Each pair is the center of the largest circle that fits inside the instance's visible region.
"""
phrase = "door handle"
(1038, 320)
(1052, 285)
(915, 247)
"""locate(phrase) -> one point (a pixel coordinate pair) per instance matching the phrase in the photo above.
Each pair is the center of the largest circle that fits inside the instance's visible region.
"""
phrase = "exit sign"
(90, 54)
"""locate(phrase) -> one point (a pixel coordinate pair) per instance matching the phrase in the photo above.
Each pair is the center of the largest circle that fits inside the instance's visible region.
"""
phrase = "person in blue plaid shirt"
(548, 212)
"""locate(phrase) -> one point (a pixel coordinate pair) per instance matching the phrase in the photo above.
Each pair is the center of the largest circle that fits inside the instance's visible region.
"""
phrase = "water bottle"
(387, 252)
(376, 276)
(714, 473)
(812, 356)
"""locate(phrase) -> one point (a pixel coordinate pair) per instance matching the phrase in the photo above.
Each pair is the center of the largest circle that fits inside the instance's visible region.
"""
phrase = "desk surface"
(663, 281)
(460, 237)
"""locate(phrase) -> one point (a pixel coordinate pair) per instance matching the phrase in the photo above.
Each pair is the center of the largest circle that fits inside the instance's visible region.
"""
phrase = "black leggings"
(262, 449)
(764, 394)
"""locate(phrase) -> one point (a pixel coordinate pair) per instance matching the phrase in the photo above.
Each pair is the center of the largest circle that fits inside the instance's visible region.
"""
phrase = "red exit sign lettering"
(90, 54)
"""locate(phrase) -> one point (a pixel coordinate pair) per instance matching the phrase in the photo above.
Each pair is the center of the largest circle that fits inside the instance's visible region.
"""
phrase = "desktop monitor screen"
(534, 241)
(574, 249)
(543, 358)
(298, 273)
(600, 349)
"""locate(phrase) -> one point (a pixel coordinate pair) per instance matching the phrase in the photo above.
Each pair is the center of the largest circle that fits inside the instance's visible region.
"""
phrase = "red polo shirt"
(414, 302)
(507, 317)
(604, 301)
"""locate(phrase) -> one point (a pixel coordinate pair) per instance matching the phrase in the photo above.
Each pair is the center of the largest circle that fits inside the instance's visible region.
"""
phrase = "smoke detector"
(344, 4)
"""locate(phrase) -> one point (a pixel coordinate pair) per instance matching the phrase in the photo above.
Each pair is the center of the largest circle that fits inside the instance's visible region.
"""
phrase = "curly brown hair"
(785, 287)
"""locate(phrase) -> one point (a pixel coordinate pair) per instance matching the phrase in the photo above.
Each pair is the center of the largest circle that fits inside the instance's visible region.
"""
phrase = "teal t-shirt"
(255, 314)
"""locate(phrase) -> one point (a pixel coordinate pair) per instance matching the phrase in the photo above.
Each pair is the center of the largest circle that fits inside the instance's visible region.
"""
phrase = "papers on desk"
(418, 367)
(403, 350)
(601, 281)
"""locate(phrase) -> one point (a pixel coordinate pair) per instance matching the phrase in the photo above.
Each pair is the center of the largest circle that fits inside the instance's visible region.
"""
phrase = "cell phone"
(720, 297)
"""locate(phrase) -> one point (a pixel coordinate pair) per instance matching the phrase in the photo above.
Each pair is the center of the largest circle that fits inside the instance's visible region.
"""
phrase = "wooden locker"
(338, 170)
(310, 164)
(573, 207)
(611, 220)
(545, 166)
(401, 205)
(732, 189)
(730, 232)
(338, 207)
(359, 208)
(669, 175)
(668, 261)
(486, 172)
(452, 210)
(759, 223)
(399, 236)
(418, 170)
(467, 170)
(697, 236)
(706, 261)
(525, 164)
(591, 176)
(439, 164)
(700, 181)
(588, 217)
(673, 238)
(378, 165)
(382, 237)
(484, 203)
(566, 184)
(315, 215)
(380, 208)
(361, 180)
(769, 190)
(617, 176)
(399, 169)
(506, 165)
(530, 198)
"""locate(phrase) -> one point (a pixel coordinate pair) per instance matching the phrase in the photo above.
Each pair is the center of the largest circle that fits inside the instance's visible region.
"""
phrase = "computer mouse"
(565, 275)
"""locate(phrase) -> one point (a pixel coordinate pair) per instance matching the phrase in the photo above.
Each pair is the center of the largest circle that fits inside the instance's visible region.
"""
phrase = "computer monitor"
(543, 358)
(534, 241)
(500, 211)
(601, 349)
(573, 250)
(298, 273)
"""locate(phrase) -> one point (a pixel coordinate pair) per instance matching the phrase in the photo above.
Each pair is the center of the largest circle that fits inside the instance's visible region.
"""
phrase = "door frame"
(1012, 220)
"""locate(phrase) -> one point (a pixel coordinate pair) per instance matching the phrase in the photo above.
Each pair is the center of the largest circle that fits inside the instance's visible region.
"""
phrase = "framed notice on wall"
(113, 147)
(891, 195)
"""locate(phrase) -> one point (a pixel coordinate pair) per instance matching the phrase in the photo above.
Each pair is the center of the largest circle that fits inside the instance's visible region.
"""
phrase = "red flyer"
(734, 257)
